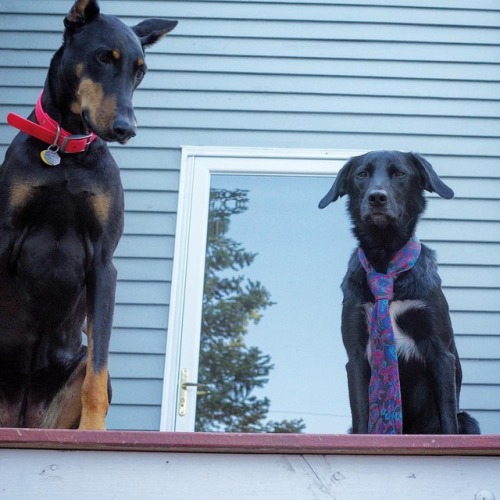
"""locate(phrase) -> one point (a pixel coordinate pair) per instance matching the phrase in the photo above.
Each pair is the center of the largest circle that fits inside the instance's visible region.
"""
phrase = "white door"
(254, 340)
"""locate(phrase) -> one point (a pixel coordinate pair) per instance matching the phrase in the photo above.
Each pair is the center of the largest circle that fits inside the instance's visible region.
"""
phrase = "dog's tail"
(467, 424)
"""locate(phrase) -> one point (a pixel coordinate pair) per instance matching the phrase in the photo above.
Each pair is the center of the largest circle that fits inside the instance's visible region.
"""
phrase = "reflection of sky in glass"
(302, 258)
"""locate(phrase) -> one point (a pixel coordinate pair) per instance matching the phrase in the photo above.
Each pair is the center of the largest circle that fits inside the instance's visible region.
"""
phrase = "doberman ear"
(83, 11)
(152, 30)
(432, 182)
(339, 187)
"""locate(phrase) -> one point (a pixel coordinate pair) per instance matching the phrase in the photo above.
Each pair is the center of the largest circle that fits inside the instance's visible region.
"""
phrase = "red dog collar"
(49, 131)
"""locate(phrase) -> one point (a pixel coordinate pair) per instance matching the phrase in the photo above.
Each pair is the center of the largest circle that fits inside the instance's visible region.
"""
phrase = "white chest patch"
(407, 349)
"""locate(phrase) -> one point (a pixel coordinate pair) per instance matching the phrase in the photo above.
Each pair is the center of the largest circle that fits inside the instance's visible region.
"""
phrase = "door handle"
(185, 385)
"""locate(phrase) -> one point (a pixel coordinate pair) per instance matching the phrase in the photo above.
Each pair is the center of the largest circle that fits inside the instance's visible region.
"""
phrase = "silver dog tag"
(50, 157)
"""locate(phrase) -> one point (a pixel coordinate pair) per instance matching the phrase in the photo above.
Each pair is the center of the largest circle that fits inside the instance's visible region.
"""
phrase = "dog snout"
(123, 130)
(378, 198)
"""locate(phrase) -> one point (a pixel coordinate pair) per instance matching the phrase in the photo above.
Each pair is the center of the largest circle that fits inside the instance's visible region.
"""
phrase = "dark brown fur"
(59, 227)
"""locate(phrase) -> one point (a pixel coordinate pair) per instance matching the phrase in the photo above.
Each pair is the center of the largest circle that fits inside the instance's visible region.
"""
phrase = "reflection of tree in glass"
(227, 365)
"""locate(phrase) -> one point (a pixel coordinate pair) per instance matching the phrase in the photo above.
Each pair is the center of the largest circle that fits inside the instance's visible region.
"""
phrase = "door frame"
(198, 164)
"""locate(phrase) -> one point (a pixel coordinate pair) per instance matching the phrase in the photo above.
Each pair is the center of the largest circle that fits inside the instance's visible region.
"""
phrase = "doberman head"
(94, 74)
(60, 222)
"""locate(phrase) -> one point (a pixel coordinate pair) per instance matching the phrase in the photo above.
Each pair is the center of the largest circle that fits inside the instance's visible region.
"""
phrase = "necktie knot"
(381, 285)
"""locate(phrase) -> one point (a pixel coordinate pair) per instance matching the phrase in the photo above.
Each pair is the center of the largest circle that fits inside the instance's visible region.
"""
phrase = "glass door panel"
(271, 357)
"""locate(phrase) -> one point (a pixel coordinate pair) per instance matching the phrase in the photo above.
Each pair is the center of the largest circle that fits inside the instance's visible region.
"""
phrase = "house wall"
(420, 75)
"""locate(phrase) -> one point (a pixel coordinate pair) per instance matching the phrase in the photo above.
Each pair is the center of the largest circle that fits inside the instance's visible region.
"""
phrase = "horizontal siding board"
(478, 347)
(143, 269)
(476, 322)
(459, 230)
(140, 316)
(138, 340)
(488, 420)
(484, 189)
(138, 366)
(175, 101)
(482, 372)
(335, 102)
(136, 392)
(341, 139)
(150, 201)
(479, 397)
(353, 140)
(144, 417)
(470, 209)
(397, 86)
(150, 180)
(451, 13)
(328, 66)
(324, 123)
(473, 299)
(145, 292)
(470, 276)
(316, 30)
(466, 253)
(315, 122)
(336, 49)
(152, 223)
(145, 246)
(469, 166)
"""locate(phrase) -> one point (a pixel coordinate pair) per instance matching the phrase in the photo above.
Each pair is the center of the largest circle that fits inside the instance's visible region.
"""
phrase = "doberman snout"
(377, 198)
(123, 130)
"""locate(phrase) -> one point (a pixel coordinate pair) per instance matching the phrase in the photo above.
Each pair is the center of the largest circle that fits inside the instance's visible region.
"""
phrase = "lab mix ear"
(432, 182)
(339, 187)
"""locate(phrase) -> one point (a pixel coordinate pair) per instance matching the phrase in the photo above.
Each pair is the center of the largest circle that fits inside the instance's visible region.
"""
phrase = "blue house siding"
(420, 75)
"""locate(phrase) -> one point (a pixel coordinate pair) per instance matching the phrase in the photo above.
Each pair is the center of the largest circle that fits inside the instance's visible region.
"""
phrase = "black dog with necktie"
(403, 369)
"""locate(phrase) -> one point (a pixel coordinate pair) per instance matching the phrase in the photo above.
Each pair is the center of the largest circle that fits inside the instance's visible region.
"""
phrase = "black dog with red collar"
(61, 217)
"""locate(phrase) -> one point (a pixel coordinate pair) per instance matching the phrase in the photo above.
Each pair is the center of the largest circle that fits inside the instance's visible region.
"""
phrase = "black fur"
(385, 190)
(60, 225)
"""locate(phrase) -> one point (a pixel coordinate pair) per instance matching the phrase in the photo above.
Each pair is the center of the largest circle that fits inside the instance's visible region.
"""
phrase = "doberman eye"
(104, 56)
(399, 173)
(139, 75)
(362, 174)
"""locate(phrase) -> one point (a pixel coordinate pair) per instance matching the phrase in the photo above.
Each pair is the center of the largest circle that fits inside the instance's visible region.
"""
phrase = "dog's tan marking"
(101, 203)
(140, 62)
(79, 70)
(101, 110)
(116, 54)
(20, 193)
(95, 402)
(65, 409)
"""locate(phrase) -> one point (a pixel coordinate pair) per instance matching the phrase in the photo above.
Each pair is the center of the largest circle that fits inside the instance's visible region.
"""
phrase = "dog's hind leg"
(66, 407)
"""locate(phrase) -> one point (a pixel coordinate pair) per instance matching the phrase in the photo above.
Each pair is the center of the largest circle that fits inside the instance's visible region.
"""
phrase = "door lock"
(185, 385)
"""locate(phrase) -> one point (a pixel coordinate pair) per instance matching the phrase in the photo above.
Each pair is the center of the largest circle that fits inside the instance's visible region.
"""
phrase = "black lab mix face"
(386, 199)
(386, 190)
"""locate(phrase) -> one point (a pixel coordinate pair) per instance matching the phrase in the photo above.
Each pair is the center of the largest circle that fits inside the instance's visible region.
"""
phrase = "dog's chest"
(406, 346)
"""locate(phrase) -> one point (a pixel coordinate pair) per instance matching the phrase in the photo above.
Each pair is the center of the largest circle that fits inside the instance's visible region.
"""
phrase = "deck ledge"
(315, 444)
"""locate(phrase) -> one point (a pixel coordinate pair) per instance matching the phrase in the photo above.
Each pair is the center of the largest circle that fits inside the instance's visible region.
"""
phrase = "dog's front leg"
(100, 303)
(443, 368)
(355, 338)
(358, 380)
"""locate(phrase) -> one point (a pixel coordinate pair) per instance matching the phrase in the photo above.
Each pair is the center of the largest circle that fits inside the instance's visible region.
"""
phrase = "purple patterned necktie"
(386, 412)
